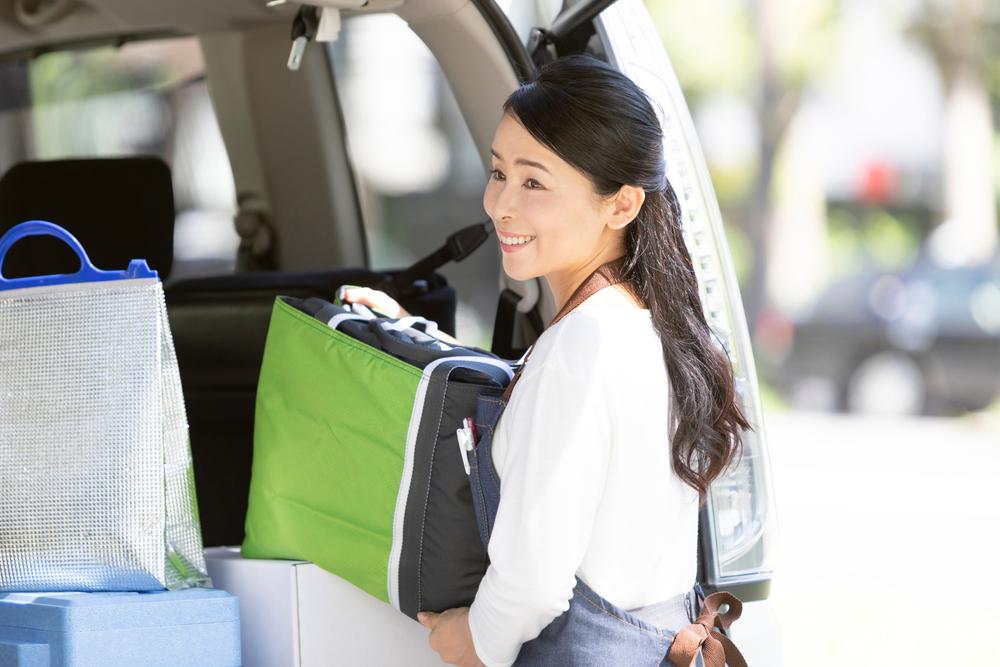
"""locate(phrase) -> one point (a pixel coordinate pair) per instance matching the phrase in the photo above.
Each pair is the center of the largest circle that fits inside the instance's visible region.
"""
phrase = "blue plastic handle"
(88, 273)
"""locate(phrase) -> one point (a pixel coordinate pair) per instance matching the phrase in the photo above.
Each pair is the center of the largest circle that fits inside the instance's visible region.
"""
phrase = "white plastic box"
(295, 614)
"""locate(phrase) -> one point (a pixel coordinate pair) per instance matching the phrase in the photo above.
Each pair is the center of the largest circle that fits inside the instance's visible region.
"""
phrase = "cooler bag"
(98, 490)
(358, 464)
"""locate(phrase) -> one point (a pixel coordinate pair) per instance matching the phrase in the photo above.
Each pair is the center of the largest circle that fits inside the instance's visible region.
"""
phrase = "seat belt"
(459, 245)
(505, 325)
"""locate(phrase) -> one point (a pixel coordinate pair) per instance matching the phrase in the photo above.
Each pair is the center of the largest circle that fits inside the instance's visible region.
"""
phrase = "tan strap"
(716, 649)
(606, 275)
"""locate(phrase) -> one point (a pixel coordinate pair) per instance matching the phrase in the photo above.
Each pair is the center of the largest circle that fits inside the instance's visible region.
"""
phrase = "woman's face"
(548, 218)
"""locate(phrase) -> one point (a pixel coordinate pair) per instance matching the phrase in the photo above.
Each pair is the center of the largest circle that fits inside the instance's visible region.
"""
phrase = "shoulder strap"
(606, 275)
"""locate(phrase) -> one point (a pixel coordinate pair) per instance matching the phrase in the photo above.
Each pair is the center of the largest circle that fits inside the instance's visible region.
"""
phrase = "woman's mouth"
(513, 243)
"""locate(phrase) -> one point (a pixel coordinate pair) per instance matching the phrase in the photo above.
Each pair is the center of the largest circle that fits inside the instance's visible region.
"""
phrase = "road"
(889, 539)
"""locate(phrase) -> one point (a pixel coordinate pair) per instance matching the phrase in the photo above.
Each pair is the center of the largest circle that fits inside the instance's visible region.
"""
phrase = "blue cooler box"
(199, 626)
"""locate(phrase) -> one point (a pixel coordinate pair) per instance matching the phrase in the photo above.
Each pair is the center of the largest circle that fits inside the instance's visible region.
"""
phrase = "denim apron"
(593, 632)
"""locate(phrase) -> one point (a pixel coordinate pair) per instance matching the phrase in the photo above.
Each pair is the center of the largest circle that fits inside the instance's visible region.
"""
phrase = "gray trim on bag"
(409, 520)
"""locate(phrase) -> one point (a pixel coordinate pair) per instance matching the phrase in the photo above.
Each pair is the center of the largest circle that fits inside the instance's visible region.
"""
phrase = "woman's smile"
(512, 243)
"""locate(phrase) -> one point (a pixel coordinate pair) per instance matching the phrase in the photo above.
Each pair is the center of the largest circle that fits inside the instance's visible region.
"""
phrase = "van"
(307, 149)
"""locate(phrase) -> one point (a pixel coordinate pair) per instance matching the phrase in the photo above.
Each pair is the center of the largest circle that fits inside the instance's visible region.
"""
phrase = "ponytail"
(707, 435)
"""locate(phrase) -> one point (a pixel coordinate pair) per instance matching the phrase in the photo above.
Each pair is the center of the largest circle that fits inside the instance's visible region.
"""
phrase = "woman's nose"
(504, 201)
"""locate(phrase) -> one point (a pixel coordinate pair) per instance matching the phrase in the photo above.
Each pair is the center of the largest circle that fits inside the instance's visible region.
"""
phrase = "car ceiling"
(87, 20)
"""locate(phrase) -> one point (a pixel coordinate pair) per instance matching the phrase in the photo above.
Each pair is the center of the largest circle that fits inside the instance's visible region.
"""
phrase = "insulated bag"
(94, 457)
(358, 464)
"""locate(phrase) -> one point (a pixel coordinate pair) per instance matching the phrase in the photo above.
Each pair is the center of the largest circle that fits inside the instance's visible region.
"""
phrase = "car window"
(420, 175)
(142, 98)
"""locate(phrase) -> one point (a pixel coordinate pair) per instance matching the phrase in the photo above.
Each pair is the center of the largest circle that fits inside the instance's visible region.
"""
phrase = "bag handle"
(428, 355)
(88, 273)
(419, 354)
(403, 323)
(387, 334)
(334, 315)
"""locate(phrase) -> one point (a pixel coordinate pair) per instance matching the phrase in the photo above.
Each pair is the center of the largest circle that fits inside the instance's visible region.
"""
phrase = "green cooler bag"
(357, 462)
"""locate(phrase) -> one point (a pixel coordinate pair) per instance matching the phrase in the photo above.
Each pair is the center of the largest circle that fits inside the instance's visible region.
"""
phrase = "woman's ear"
(625, 206)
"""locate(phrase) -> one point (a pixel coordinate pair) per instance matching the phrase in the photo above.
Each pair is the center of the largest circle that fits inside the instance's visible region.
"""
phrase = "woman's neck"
(564, 283)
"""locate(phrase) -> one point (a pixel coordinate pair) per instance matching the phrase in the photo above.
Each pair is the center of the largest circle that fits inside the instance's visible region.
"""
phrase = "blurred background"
(853, 147)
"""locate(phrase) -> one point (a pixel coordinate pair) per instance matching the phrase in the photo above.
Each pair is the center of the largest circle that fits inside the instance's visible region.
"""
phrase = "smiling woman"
(625, 413)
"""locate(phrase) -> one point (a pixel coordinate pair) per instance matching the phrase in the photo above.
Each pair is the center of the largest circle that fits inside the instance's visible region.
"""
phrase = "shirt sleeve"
(557, 431)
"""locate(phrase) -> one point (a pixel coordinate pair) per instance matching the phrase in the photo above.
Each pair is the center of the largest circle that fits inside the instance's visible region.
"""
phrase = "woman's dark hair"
(600, 122)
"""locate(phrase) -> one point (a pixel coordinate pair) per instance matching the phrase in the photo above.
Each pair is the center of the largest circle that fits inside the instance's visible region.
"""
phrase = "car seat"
(123, 208)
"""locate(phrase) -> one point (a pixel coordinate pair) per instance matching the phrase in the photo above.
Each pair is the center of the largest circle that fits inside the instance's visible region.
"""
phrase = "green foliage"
(85, 101)
(805, 35)
(869, 236)
(996, 166)
(65, 76)
(844, 242)
(739, 249)
(770, 398)
(714, 47)
(710, 43)
(732, 182)
(888, 240)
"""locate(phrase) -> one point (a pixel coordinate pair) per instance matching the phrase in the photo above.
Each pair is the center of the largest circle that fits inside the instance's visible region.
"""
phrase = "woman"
(624, 412)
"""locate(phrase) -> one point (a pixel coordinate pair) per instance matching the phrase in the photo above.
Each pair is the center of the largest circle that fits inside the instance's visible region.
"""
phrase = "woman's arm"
(557, 434)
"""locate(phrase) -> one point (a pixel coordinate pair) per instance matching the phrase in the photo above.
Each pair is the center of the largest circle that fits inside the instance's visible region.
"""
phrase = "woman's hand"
(383, 303)
(450, 636)
(376, 300)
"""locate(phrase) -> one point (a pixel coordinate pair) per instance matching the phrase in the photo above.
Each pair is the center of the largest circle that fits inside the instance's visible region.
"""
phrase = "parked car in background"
(923, 340)
(362, 160)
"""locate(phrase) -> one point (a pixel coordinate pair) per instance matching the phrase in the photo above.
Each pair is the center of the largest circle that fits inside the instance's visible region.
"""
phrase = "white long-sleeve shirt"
(587, 488)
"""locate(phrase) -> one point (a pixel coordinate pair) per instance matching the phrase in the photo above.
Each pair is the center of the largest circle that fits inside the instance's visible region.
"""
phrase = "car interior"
(302, 225)
(270, 120)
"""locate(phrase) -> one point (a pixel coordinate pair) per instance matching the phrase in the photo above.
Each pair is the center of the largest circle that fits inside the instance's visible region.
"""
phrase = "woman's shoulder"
(608, 312)
(605, 325)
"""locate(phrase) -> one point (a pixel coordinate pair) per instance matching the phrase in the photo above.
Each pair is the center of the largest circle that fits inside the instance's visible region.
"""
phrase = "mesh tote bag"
(94, 453)
(358, 464)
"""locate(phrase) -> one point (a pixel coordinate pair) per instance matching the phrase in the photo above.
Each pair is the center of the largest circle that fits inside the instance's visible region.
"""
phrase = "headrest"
(118, 208)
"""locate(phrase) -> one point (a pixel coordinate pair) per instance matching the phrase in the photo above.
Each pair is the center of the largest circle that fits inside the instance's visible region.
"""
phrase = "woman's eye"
(530, 183)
